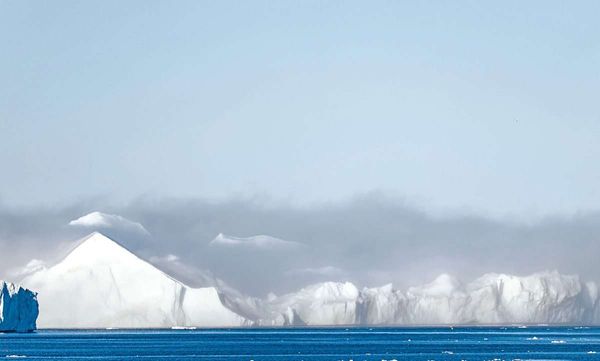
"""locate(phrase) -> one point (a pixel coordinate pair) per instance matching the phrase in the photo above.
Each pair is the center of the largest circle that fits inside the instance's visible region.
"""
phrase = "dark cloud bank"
(370, 240)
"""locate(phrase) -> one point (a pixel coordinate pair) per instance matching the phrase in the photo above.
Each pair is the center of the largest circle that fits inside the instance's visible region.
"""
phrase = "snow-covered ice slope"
(546, 297)
(18, 308)
(101, 284)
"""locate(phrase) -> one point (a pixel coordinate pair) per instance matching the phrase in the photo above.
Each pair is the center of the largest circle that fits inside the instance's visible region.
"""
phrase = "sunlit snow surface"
(309, 344)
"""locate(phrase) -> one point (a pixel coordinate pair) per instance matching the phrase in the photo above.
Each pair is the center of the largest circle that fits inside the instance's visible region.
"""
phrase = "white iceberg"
(101, 284)
(546, 297)
(327, 303)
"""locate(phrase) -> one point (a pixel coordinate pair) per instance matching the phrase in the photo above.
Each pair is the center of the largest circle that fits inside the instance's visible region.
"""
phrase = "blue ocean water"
(309, 344)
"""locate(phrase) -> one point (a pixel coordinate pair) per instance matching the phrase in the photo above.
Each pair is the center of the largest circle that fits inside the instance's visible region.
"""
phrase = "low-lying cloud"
(318, 271)
(99, 220)
(260, 241)
(370, 240)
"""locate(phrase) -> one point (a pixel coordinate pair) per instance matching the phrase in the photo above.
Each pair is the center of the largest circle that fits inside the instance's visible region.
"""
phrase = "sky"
(490, 107)
(456, 130)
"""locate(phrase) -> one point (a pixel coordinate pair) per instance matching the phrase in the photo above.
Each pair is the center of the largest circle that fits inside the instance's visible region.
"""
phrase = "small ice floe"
(591, 352)
(558, 341)
(534, 338)
(15, 356)
(183, 328)
(448, 352)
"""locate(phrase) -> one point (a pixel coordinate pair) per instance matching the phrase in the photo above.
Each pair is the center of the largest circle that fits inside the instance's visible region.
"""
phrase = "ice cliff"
(328, 303)
(546, 297)
(18, 308)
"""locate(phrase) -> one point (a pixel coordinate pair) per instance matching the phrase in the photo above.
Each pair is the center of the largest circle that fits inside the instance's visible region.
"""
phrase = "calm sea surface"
(473, 343)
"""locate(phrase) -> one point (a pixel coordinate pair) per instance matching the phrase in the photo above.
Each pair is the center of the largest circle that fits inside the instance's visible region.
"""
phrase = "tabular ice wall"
(18, 308)
(545, 297)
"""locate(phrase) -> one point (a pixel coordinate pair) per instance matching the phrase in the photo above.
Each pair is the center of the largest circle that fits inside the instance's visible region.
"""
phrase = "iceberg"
(18, 308)
(101, 284)
(327, 303)
(545, 297)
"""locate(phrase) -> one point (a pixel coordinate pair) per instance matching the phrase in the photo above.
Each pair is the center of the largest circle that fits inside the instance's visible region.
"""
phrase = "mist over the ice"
(370, 240)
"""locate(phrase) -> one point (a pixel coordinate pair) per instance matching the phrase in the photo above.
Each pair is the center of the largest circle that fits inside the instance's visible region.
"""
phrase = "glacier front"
(18, 308)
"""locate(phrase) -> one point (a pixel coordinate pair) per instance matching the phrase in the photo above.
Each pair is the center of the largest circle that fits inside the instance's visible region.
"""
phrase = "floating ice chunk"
(18, 308)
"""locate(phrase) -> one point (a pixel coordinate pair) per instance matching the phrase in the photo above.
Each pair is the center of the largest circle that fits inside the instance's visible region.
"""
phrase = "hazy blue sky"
(489, 106)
